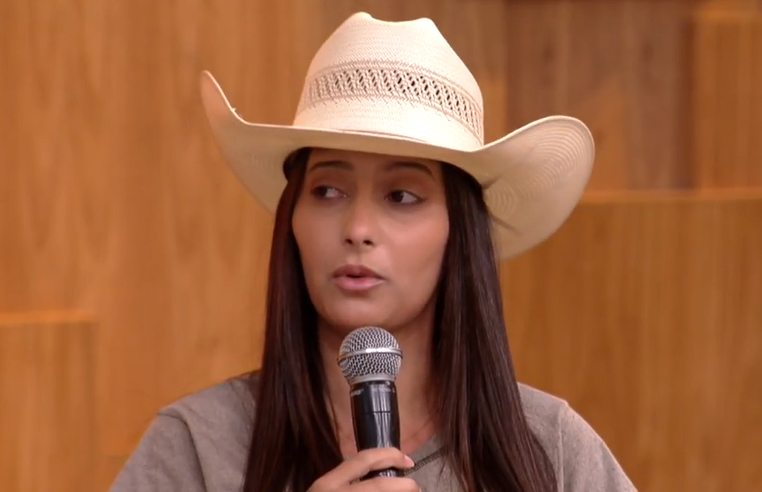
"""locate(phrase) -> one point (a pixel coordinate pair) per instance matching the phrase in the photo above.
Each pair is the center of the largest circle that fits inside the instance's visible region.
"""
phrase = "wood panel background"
(115, 202)
(646, 312)
(47, 397)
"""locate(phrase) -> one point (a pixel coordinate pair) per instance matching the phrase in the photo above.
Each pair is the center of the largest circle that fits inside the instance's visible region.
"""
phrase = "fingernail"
(409, 461)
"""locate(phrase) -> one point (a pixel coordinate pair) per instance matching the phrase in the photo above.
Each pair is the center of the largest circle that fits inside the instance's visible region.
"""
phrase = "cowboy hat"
(398, 88)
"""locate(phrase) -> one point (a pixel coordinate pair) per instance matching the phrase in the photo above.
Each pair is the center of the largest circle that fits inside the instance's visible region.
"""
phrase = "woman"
(391, 212)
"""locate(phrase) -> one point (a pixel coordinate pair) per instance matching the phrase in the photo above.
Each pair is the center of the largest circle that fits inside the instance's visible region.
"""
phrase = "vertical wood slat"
(617, 65)
(726, 97)
(48, 438)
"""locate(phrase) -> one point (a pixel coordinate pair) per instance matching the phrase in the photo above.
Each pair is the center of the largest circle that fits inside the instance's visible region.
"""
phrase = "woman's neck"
(413, 387)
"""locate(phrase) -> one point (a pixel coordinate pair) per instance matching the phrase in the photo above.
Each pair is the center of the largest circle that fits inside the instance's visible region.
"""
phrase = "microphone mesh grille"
(355, 364)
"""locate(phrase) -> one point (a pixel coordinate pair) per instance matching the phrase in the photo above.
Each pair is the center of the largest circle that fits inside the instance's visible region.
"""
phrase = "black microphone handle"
(376, 419)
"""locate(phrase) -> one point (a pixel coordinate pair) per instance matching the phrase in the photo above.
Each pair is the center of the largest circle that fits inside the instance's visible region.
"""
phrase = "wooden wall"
(134, 263)
(646, 312)
(48, 437)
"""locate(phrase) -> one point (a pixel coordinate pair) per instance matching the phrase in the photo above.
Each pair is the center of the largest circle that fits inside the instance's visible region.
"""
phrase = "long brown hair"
(482, 427)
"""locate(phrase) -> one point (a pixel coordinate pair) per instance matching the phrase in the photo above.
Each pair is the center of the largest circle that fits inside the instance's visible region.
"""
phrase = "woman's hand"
(340, 478)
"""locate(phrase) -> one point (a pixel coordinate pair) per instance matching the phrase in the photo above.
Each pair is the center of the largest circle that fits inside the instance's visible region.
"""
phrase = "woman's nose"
(359, 224)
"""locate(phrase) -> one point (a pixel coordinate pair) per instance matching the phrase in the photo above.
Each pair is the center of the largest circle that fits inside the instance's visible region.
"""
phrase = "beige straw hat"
(398, 88)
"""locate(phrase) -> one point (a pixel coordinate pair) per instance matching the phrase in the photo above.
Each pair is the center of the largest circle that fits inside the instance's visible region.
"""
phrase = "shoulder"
(582, 460)
(224, 408)
(198, 443)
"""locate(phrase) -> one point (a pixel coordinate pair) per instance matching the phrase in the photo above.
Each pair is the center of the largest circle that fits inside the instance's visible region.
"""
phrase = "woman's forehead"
(349, 158)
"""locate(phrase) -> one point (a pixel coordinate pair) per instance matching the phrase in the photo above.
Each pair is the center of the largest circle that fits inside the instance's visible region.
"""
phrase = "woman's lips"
(357, 284)
(356, 278)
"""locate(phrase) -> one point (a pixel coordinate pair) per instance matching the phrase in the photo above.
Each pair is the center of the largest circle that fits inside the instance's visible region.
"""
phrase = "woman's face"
(371, 231)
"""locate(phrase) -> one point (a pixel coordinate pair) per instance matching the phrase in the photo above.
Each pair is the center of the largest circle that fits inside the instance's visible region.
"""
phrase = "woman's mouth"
(356, 279)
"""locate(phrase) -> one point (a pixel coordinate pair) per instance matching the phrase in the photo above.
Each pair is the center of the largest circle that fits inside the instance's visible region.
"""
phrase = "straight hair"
(484, 435)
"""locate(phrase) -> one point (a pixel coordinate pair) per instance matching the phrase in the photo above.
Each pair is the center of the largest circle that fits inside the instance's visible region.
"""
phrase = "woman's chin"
(341, 317)
(346, 326)
(343, 324)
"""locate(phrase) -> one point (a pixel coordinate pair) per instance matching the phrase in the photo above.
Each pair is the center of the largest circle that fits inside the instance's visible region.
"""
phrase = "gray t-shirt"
(200, 443)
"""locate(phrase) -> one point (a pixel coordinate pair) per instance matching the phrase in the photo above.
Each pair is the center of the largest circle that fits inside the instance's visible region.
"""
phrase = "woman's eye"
(403, 197)
(326, 192)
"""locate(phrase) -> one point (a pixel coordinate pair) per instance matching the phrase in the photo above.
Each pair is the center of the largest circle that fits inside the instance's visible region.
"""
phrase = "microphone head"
(369, 354)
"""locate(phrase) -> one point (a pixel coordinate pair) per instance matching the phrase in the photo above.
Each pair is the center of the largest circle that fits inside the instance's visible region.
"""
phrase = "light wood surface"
(645, 311)
(727, 104)
(48, 437)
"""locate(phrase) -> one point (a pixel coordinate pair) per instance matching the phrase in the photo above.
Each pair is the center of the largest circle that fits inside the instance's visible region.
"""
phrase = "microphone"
(370, 359)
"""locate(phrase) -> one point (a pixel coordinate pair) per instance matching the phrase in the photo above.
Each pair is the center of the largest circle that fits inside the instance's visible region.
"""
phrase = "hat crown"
(393, 78)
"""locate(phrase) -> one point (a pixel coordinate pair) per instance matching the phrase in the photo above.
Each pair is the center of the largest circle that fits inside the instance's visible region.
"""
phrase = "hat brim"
(533, 177)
